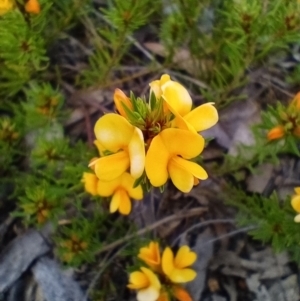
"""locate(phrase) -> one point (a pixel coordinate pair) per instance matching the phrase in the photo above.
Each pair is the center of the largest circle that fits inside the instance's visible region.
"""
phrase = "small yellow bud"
(119, 99)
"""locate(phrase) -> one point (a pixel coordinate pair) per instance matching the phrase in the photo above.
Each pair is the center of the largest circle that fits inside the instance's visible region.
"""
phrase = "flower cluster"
(288, 121)
(147, 143)
(295, 202)
(162, 279)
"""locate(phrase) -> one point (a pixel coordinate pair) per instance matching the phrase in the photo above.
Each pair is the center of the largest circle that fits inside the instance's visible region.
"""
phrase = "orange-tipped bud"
(181, 294)
(33, 7)
(276, 133)
(119, 98)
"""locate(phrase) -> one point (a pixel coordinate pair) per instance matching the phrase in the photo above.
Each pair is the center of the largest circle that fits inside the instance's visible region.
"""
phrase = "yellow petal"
(182, 173)
(153, 279)
(296, 203)
(125, 203)
(202, 117)
(108, 188)
(100, 147)
(167, 261)
(127, 182)
(157, 159)
(119, 98)
(184, 257)
(147, 294)
(181, 178)
(120, 201)
(111, 167)
(90, 181)
(297, 190)
(177, 97)
(150, 254)
(181, 142)
(138, 280)
(113, 131)
(195, 169)
(182, 275)
(136, 150)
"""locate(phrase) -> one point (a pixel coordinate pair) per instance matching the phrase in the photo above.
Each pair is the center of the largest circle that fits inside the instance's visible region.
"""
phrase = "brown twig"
(192, 212)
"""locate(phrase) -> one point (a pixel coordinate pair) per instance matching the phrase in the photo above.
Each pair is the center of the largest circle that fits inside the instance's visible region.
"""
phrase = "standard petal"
(127, 182)
(157, 159)
(177, 97)
(181, 178)
(167, 261)
(107, 189)
(138, 280)
(113, 131)
(125, 203)
(150, 254)
(147, 294)
(182, 275)
(181, 142)
(136, 150)
(195, 169)
(111, 167)
(296, 203)
(202, 117)
(184, 257)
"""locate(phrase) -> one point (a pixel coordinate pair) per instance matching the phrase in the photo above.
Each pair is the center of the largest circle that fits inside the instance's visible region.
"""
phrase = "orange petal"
(32, 7)
(276, 133)
(119, 99)
(111, 167)
(202, 117)
(181, 294)
(153, 279)
(184, 257)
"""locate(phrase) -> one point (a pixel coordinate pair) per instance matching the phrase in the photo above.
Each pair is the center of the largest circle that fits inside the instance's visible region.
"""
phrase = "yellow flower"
(146, 283)
(175, 268)
(33, 7)
(151, 255)
(125, 141)
(276, 133)
(6, 6)
(119, 99)
(295, 202)
(121, 189)
(179, 102)
(90, 181)
(168, 154)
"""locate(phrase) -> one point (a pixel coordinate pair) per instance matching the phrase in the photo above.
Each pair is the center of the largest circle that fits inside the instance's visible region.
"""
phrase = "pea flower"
(90, 181)
(116, 135)
(151, 255)
(121, 189)
(176, 268)
(295, 202)
(169, 154)
(146, 283)
(276, 133)
(179, 102)
(6, 6)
